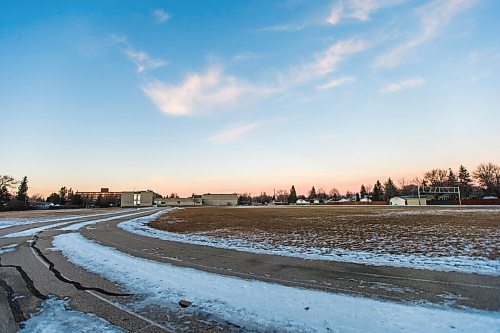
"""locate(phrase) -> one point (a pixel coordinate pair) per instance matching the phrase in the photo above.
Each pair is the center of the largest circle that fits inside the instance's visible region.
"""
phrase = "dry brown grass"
(436, 230)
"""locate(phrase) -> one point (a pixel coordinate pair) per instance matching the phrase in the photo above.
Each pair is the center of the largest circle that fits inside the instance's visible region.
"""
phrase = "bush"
(15, 204)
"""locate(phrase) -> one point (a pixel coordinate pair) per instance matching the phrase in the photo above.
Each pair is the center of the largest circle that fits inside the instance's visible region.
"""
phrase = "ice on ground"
(463, 264)
(56, 317)
(76, 226)
(8, 248)
(12, 222)
(265, 306)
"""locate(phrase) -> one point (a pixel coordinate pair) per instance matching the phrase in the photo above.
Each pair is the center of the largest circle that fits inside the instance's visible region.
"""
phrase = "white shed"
(409, 200)
(398, 201)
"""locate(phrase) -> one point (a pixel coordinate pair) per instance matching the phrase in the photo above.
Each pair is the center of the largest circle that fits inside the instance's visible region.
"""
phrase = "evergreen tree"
(362, 191)
(452, 179)
(390, 189)
(357, 197)
(22, 192)
(312, 193)
(4, 196)
(54, 198)
(75, 200)
(293, 195)
(6, 183)
(464, 181)
(378, 192)
(63, 195)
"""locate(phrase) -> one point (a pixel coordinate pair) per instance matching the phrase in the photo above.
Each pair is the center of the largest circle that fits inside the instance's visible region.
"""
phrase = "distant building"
(302, 202)
(137, 198)
(179, 202)
(410, 200)
(210, 199)
(91, 198)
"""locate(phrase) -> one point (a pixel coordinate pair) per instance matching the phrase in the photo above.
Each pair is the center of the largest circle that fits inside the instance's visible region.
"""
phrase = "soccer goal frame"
(439, 190)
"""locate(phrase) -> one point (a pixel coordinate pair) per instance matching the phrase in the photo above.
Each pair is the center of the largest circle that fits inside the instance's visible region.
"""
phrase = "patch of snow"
(7, 248)
(265, 306)
(76, 226)
(438, 210)
(55, 317)
(12, 222)
(464, 264)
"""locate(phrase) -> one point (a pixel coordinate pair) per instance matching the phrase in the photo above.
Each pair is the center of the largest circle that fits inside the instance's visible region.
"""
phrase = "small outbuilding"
(409, 200)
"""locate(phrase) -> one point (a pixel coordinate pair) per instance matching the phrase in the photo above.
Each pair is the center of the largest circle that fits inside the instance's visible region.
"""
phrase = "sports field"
(429, 231)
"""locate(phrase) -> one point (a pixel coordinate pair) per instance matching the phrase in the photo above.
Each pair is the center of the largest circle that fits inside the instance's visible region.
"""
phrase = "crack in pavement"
(15, 308)
(62, 278)
(27, 280)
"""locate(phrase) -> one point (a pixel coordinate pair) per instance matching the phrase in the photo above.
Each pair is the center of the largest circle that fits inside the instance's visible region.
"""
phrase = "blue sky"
(236, 96)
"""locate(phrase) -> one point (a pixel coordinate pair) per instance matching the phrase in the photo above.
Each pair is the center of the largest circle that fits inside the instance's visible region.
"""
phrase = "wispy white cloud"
(327, 61)
(403, 85)
(433, 18)
(243, 56)
(161, 15)
(234, 133)
(283, 27)
(199, 93)
(336, 14)
(141, 59)
(202, 93)
(239, 130)
(337, 82)
(360, 10)
(483, 56)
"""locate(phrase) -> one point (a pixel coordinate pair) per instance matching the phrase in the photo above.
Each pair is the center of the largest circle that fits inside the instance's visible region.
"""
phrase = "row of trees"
(290, 196)
(485, 181)
(17, 201)
(66, 197)
(12, 199)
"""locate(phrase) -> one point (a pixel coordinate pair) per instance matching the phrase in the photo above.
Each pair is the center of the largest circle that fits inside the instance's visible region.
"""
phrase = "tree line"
(10, 199)
(484, 181)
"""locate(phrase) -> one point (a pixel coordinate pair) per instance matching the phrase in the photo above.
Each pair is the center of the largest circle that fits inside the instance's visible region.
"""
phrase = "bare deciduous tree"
(436, 177)
(488, 176)
(334, 193)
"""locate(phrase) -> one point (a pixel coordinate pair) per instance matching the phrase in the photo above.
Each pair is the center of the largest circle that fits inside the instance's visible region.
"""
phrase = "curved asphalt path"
(388, 283)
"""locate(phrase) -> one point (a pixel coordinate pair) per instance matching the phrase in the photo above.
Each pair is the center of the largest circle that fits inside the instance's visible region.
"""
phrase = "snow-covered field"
(56, 317)
(265, 306)
(466, 264)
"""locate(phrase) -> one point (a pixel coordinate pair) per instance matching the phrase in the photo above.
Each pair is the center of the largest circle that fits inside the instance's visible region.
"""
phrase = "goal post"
(422, 189)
